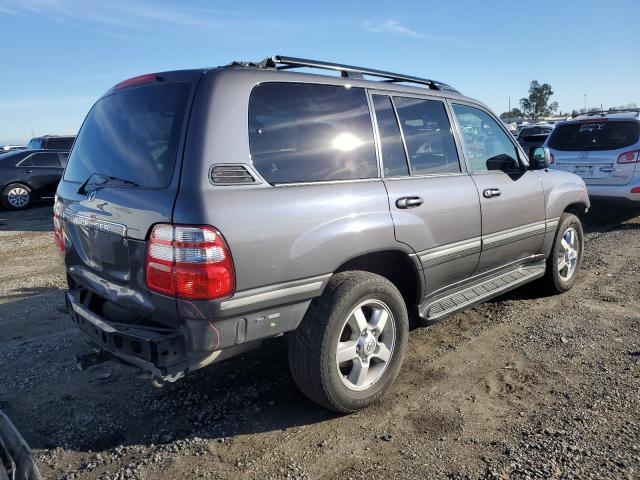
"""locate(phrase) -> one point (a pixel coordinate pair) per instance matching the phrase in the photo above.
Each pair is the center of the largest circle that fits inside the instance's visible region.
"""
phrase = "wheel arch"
(393, 264)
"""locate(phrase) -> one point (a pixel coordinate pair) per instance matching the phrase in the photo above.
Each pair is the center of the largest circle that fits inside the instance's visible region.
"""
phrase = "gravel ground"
(523, 387)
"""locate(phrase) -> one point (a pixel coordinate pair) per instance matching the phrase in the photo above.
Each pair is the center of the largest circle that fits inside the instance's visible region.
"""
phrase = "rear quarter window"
(133, 135)
(310, 133)
(595, 135)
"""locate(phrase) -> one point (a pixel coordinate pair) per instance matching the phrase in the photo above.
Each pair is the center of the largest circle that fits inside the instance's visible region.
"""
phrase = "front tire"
(565, 259)
(348, 349)
(16, 196)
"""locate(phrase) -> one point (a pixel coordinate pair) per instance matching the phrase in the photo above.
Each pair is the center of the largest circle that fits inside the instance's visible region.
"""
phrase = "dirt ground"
(525, 386)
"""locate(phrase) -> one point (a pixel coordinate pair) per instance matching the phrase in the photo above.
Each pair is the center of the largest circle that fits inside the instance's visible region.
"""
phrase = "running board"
(481, 291)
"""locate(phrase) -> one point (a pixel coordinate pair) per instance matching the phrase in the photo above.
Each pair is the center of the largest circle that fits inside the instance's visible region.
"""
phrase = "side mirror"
(538, 159)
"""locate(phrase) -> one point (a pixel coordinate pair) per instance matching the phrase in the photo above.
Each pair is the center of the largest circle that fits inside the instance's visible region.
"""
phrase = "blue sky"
(58, 56)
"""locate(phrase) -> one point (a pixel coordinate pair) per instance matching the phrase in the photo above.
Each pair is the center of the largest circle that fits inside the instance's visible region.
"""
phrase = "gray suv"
(204, 211)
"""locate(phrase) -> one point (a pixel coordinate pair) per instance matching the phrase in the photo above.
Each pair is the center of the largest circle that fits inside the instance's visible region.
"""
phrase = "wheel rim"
(365, 346)
(568, 253)
(18, 197)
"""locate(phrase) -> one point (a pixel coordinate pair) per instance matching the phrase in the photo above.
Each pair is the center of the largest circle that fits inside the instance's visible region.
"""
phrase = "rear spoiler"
(16, 460)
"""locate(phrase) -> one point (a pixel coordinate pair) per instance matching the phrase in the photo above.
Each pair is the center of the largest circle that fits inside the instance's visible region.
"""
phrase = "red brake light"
(58, 233)
(190, 262)
(149, 77)
(629, 157)
(635, 190)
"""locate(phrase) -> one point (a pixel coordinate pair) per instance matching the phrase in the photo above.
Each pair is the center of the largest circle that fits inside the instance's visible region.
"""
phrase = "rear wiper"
(106, 179)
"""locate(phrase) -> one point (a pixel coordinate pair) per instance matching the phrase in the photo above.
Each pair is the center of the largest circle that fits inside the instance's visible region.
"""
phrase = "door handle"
(491, 192)
(28, 170)
(409, 202)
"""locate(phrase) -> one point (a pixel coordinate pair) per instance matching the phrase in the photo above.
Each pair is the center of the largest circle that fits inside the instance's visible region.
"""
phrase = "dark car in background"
(533, 136)
(51, 142)
(30, 175)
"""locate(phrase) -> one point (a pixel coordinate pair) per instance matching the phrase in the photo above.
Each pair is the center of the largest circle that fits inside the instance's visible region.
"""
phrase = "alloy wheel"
(365, 346)
(568, 253)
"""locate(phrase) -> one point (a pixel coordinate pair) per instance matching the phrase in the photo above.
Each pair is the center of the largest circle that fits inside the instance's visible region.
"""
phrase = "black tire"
(313, 346)
(9, 200)
(554, 280)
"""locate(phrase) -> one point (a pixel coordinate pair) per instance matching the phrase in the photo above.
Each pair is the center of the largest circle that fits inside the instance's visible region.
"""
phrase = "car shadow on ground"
(605, 217)
(37, 218)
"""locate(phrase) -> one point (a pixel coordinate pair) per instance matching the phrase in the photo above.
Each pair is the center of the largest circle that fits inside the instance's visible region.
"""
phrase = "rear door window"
(309, 133)
(133, 135)
(428, 136)
(394, 159)
(595, 135)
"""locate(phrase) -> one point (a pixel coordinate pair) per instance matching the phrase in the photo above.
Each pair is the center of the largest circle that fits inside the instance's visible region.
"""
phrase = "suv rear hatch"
(122, 178)
(591, 148)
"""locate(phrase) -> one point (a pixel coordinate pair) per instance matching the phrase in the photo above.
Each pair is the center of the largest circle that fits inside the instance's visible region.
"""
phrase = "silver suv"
(204, 211)
(603, 149)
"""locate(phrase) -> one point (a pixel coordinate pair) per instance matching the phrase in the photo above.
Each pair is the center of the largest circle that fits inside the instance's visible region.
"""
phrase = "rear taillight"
(629, 157)
(58, 234)
(551, 159)
(190, 262)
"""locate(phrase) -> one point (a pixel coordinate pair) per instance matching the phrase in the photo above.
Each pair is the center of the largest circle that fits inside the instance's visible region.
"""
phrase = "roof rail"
(281, 62)
(607, 112)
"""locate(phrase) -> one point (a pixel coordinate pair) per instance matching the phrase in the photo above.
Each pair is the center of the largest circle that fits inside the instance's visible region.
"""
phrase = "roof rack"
(607, 112)
(281, 62)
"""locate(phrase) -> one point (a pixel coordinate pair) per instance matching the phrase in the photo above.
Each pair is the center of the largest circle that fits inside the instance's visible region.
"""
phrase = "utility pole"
(585, 102)
(509, 111)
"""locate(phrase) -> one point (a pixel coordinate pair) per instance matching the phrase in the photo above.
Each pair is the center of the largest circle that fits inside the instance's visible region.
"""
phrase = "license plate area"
(584, 171)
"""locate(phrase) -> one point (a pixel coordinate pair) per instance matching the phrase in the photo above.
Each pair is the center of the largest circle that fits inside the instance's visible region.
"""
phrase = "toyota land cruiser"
(204, 211)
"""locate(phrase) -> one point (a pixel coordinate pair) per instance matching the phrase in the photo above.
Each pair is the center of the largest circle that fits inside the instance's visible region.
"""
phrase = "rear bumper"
(619, 192)
(161, 352)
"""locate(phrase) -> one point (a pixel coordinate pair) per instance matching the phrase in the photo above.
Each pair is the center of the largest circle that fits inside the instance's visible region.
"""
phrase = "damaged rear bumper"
(161, 352)
(16, 460)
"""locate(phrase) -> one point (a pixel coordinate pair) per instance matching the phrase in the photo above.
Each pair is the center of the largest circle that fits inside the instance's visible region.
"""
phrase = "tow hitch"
(86, 360)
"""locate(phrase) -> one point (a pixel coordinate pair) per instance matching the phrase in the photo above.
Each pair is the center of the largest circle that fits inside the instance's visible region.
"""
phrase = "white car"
(603, 149)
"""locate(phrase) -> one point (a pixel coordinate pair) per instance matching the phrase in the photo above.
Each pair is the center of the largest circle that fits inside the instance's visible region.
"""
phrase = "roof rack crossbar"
(281, 62)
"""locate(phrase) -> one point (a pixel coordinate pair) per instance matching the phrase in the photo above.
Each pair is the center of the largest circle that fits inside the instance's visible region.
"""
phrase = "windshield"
(598, 135)
(132, 135)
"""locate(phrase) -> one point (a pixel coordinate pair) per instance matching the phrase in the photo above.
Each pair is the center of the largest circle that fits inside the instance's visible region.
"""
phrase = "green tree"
(537, 104)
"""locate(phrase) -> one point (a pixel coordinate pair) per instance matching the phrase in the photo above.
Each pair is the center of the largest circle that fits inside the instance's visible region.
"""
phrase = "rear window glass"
(605, 135)
(132, 135)
(309, 133)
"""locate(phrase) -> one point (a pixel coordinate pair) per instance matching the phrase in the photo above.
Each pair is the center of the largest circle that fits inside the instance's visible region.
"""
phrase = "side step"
(479, 292)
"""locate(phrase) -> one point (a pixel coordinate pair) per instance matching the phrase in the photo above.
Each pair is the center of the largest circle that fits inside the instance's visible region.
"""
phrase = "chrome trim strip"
(249, 298)
(504, 237)
(552, 224)
(452, 251)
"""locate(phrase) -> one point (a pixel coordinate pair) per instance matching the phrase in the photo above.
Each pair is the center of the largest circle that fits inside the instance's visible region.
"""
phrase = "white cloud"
(392, 26)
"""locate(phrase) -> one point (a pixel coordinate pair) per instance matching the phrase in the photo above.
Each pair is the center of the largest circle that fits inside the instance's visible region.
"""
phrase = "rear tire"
(348, 349)
(16, 196)
(563, 263)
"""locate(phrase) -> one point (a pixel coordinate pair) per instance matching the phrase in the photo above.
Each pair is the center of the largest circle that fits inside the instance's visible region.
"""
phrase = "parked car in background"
(536, 129)
(318, 206)
(603, 149)
(51, 142)
(27, 176)
(8, 148)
